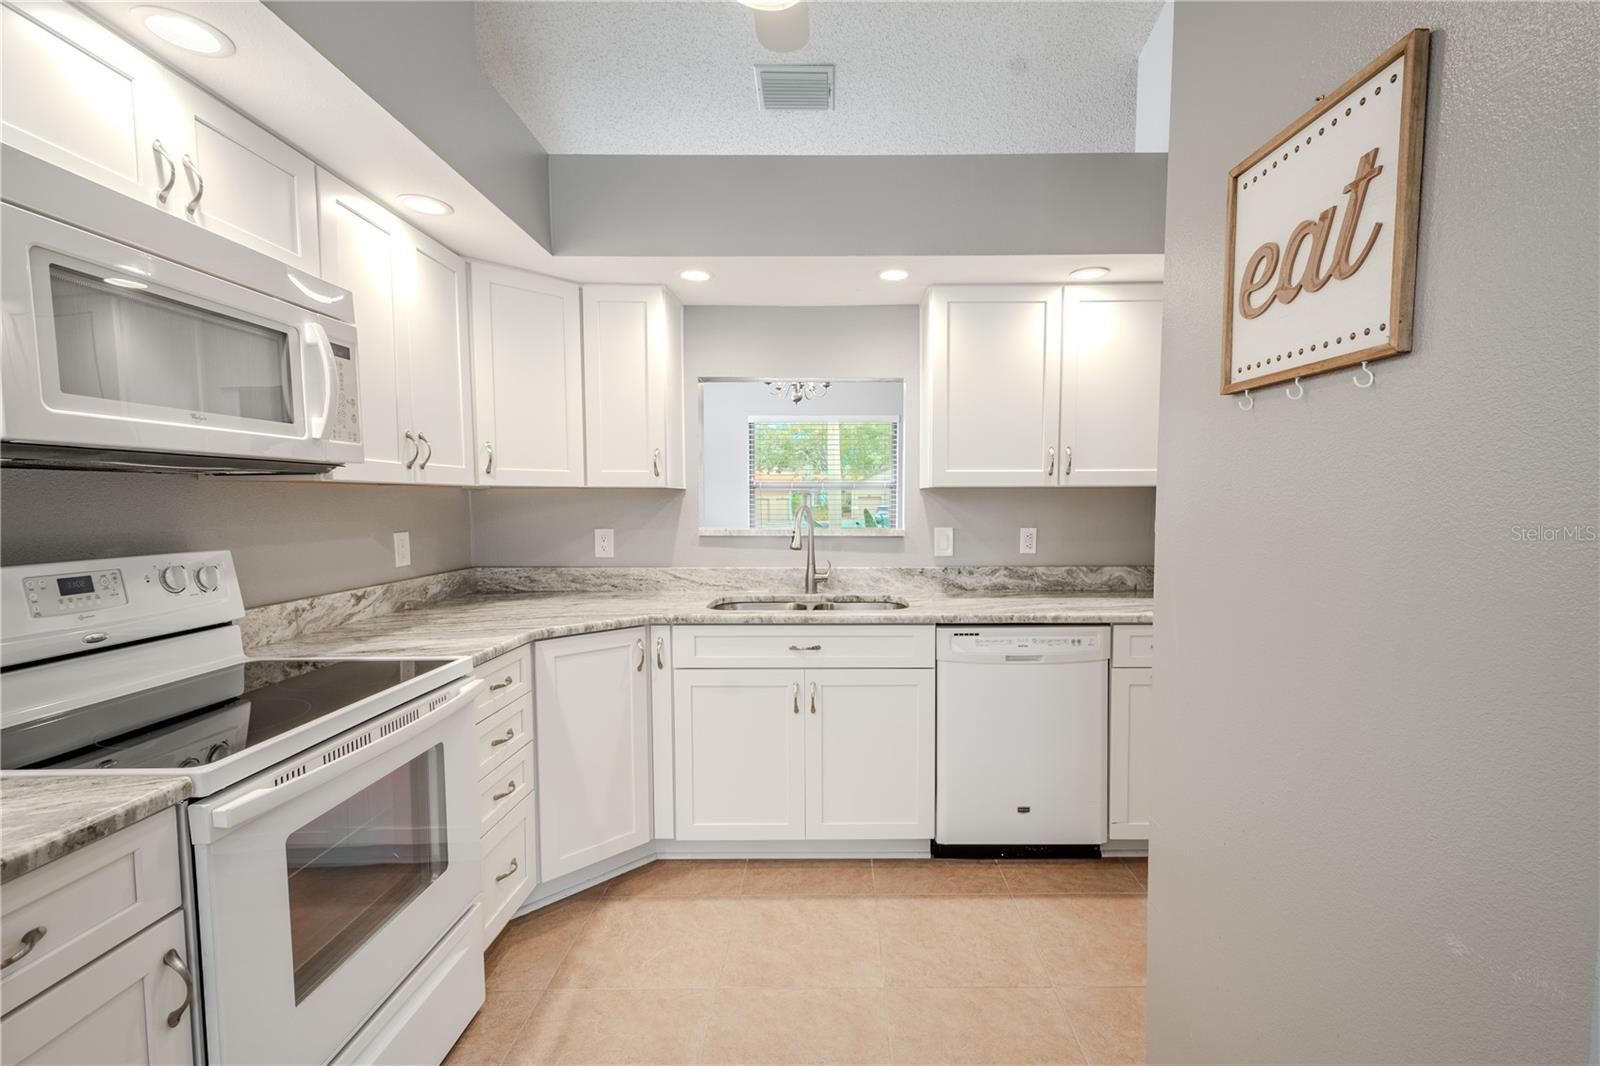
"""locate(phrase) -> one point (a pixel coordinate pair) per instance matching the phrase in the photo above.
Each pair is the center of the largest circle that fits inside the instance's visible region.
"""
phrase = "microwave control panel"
(344, 424)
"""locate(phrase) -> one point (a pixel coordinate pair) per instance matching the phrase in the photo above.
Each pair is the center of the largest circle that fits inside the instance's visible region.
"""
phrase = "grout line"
(1072, 1026)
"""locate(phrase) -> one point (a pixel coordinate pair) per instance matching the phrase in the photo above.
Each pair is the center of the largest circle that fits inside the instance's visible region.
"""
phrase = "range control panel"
(83, 590)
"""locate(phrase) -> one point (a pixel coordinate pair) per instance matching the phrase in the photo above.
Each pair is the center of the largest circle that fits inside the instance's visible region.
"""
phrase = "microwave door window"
(132, 346)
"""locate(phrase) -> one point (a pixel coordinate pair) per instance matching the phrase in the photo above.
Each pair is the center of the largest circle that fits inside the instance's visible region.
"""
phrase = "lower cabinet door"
(739, 755)
(592, 740)
(1132, 697)
(869, 754)
(115, 1010)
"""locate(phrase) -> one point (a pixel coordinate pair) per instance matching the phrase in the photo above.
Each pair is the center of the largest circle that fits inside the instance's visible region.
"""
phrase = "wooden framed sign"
(1322, 230)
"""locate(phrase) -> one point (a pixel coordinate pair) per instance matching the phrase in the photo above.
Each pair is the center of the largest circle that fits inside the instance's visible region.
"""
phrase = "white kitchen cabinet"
(78, 95)
(991, 388)
(661, 772)
(527, 367)
(1132, 734)
(592, 739)
(633, 386)
(410, 303)
(739, 753)
(1110, 384)
(114, 1010)
(869, 754)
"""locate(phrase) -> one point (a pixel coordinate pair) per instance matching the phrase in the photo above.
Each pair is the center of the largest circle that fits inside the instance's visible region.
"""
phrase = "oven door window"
(360, 863)
(133, 346)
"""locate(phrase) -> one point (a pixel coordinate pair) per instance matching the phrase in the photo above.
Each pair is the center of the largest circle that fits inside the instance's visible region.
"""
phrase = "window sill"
(786, 533)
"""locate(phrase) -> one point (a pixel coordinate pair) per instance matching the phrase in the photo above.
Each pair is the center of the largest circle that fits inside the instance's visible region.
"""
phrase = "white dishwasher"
(1022, 714)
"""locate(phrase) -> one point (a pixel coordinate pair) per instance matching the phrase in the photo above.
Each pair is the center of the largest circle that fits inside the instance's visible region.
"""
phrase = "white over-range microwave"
(133, 340)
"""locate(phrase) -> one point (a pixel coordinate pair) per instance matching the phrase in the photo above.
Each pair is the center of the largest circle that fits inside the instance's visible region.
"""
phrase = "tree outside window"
(848, 467)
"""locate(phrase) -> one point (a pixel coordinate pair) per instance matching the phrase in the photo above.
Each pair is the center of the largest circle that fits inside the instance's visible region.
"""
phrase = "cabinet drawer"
(761, 646)
(508, 878)
(87, 903)
(502, 733)
(506, 787)
(507, 677)
(1133, 646)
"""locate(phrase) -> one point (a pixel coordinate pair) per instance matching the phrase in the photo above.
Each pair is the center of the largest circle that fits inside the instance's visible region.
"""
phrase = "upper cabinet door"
(241, 182)
(1110, 384)
(991, 385)
(527, 367)
(633, 386)
(75, 94)
(359, 240)
(433, 306)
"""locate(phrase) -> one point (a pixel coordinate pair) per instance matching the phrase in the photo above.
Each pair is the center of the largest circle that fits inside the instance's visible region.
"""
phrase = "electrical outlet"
(1028, 543)
(605, 544)
(402, 548)
(944, 541)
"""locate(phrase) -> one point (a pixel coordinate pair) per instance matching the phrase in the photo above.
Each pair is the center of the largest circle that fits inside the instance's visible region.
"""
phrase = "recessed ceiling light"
(424, 205)
(893, 274)
(695, 275)
(769, 5)
(125, 283)
(185, 31)
(1089, 273)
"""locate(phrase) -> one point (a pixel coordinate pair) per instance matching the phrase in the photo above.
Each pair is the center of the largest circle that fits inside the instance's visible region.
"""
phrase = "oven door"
(107, 346)
(323, 882)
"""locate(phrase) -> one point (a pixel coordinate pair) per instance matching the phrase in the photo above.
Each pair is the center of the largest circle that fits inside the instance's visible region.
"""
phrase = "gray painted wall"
(419, 60)
(1377, 805)
(289, 539)
(555, 527)
(857, 205)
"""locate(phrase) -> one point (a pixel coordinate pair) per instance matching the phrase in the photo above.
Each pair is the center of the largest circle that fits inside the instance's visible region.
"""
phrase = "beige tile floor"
(820, 961)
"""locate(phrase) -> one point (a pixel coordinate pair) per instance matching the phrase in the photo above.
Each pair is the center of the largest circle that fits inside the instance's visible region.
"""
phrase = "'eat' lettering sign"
(1322, 230)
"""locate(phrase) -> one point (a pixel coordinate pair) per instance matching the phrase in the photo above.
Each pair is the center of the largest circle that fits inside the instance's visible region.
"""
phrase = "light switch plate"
(402, 548)
(605, 544)
(944, 541)
(1028, 542)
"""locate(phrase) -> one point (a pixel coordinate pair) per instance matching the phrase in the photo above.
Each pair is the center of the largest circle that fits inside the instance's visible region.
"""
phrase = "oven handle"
(317, 337)
(258, 801)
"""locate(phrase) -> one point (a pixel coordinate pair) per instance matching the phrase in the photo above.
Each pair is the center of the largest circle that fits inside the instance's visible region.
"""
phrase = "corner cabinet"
(411, 317)
(592, 741)
(527, 372)
(1040, 385)
(633, 386)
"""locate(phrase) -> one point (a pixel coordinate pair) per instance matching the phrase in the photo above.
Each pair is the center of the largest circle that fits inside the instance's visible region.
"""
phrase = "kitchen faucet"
(804, 516)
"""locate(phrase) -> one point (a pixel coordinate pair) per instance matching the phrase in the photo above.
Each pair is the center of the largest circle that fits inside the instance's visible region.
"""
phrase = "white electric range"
(334, 827)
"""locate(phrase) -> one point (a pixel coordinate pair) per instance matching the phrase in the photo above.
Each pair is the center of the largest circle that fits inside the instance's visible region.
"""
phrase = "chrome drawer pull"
(510, 735)
(508, 873)
(642, 657)
(813, 697)
(30, 940)
(488, 463)
(507, 683)
(198, 181)
(172, 172)
(511, 786)
(805, 647)
(175, 961)
(661, 662)
(795, 692)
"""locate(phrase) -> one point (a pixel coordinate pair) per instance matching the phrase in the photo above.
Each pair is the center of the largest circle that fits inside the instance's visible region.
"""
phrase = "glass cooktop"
(203, 718)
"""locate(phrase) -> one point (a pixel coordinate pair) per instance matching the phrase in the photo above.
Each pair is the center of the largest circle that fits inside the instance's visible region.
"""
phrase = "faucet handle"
(826, 571)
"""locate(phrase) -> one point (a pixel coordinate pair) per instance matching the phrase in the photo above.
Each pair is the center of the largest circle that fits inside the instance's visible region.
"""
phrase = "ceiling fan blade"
(784, 31)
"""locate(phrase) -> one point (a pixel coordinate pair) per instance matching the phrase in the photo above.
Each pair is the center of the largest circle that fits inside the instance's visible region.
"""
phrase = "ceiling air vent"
(794, 88)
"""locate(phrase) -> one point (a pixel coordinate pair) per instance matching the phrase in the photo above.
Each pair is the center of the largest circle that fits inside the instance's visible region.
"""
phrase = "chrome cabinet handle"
(507, 683)
(511, 786)
(30, 940)
(510, 735)
(813, 697)
(640, 667)
(416, 449)
(794, 691)
(508, 873)
(172, 172)
(661, 647)
(805, 647)
(1068, 468)
(1050, 471)
(175, 961)
(488, 464)
(423, 437)
(655, 463)
(196, 179)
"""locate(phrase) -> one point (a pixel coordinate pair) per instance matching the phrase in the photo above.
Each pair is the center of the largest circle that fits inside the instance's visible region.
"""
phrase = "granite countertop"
(44, 816)
(484, 625)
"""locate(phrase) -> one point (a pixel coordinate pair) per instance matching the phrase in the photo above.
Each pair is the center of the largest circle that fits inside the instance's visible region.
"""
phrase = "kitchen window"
(848, 468)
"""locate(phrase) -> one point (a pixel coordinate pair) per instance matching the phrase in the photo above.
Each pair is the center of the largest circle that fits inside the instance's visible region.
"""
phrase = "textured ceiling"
(665, 78)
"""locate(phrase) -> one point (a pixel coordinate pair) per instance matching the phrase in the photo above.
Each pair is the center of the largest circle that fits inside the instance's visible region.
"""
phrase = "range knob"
(207, 577)
(174, 578)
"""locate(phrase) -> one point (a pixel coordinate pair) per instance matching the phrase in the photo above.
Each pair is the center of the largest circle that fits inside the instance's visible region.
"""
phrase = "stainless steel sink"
(808, 603)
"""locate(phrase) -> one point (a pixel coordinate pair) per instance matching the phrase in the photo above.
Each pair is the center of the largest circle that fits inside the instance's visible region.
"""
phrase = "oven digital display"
(77, 585)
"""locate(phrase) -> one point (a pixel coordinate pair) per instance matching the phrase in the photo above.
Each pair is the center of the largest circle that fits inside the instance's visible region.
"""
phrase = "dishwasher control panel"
(1024, 644)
